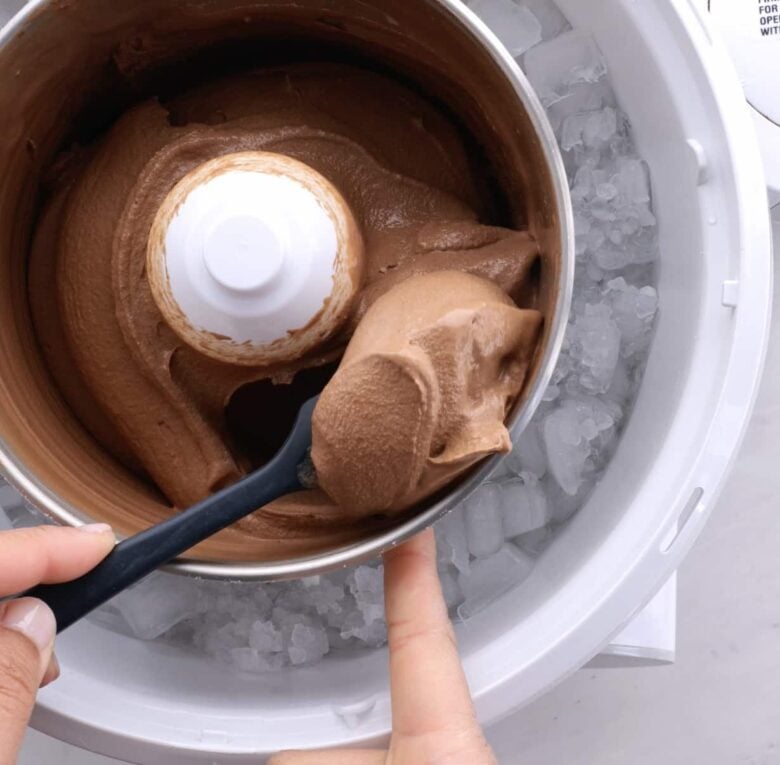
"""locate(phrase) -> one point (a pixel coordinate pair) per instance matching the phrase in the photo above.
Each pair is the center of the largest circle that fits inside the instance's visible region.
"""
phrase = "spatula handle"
(139, 555)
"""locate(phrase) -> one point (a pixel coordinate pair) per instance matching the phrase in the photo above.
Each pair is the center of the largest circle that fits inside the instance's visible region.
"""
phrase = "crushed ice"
(489, 544)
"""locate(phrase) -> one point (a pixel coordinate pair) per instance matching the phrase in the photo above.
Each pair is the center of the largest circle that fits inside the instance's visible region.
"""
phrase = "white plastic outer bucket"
(153, 704)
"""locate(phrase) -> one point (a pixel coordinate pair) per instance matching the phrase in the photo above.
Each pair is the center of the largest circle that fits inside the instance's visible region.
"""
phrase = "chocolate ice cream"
(440, 332)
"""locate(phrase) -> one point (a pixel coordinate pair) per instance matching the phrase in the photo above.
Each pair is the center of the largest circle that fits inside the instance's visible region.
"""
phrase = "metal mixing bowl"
(61, 54)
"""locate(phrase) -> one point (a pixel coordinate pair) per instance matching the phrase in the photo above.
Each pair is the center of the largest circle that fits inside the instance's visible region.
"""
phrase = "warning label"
(769, 18)
(751, 29)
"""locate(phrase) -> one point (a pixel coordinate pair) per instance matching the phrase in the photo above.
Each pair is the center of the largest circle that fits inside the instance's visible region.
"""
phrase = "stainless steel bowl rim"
(31, 488)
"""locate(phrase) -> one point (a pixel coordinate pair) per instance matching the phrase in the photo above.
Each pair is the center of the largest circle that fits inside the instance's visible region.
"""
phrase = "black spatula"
(139, 555)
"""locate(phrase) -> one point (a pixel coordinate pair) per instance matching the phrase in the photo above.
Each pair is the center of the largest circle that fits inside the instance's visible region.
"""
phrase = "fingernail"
(52, 671)
(33, 619)
(96, 528)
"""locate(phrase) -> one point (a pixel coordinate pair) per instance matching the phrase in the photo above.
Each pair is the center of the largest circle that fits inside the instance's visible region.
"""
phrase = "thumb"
(27, 630)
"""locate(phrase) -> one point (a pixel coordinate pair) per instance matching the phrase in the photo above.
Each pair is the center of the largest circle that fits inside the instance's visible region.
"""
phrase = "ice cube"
(337, 642)
(294, 598)
(633, 181)
(373, 634)
(515, 25)
(551, 20)
(634, 310)
(326, 596)
(246, 599)
(491, 577)
(367, 586)
(590, 130)
(342, 614)
(108, 616)
(581, 97)
(594, 342)
(24, 516)
(643, 248)
(365, 625)
(450, 587)
(563, 505)
(600, 127)
(266, 638)
(367, 580)
(10, 497)
(567, 450)
(18, 512)
(553, 67)
(372, 612)
(453, 543)
(536, 542)
(572, 130)
(484, 529)
(528, 454)
(606, 191)
(574, 434)
(157, 604)
(622, 384)
(524, 508)
(286, 621)
(211, 635)
(308, 644)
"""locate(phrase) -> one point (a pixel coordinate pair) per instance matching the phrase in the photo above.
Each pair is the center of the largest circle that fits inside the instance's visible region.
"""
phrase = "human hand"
(27, 627)
(433, 718)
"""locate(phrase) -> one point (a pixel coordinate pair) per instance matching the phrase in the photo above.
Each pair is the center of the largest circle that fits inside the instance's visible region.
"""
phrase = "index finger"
(50, 554)
(429, 689)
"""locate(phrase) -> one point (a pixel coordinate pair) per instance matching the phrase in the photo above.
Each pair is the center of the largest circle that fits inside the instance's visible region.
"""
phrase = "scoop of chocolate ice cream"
(422, 392)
